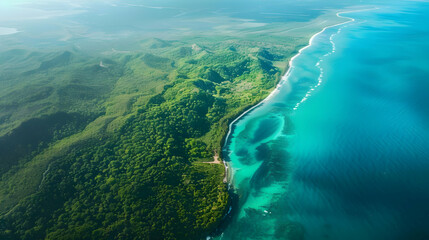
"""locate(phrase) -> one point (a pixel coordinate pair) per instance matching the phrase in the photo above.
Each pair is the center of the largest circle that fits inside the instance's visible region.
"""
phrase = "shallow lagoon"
(352, 160)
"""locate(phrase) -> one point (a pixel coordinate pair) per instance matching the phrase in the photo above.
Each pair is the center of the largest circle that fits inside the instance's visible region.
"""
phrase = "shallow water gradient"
(342, 150)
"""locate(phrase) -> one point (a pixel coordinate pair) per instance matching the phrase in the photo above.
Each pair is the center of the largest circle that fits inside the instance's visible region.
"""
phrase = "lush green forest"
(116, 146)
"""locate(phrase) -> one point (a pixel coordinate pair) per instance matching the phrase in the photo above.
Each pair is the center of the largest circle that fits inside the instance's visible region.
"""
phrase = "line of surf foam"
(331, 40)
(276, 90)
(287, 74)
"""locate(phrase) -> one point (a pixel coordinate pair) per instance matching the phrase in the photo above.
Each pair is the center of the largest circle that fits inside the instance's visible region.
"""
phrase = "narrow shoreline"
(286, 76)
(228, 174)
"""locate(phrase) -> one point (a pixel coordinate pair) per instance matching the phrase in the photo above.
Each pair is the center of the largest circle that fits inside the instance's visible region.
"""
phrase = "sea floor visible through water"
(340, 150)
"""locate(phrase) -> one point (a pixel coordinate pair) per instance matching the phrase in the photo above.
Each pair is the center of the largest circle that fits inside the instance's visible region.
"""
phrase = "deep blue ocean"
(341, 151)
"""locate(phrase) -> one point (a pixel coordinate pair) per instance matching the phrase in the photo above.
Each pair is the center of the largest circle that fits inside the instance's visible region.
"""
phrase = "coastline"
(282, 80)
(290, 66)
(228, 173)
(285, 78)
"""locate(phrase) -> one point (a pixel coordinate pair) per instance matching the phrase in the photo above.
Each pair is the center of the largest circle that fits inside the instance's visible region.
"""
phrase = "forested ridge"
(130, 165)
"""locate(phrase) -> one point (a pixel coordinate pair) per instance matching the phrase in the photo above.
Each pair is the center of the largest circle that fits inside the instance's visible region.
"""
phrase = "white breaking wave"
(331, 40)
(8, 31)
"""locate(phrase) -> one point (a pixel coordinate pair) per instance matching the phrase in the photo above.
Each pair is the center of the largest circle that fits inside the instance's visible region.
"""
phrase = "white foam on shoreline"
(331, 40)
(287, 74)
(284, 80)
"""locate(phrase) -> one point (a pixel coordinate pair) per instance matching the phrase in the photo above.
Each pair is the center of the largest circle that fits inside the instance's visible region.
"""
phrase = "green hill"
(114, 146)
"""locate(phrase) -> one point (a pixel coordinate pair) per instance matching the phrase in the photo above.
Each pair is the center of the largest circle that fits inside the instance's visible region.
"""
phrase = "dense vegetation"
(115, 147)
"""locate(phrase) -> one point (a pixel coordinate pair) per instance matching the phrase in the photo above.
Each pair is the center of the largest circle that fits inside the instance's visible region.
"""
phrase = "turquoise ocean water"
(341, 151)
